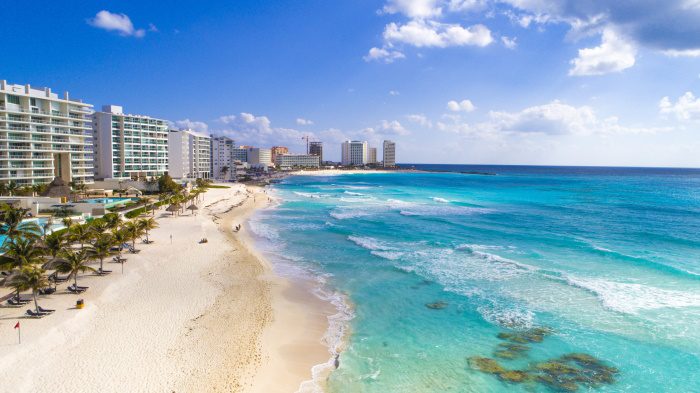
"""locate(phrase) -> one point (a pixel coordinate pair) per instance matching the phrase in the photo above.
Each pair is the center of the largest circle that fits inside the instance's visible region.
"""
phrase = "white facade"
(43, 136)
(129, 146)
(222, 158)
(189, 154)
(372, 155)
(297, 161)
(259, 157)
(240, 154)
(389, 154)
(354, 153)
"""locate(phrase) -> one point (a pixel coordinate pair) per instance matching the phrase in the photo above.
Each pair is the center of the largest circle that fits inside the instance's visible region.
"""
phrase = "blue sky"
(451, 81)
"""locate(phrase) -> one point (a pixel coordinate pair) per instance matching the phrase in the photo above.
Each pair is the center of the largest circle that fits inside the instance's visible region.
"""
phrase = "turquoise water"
(608, 260)
(108, 202)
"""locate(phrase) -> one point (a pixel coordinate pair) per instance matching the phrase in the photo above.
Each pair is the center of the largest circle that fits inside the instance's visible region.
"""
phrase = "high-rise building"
(372, 155)
(354, 153)
(389, 154)
(43, 136)
(259, 157)
(297, 161)
(129, 146)
(316, 149)
(276, 150)
(189, 153)
(222, 158)
(240, 153)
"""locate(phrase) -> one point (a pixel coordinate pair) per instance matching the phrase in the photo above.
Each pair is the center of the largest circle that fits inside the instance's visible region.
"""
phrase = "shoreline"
(184, 317)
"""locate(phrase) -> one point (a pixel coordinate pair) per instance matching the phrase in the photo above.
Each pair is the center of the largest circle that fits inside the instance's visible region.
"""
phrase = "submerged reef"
(439, 305)
(566, 373)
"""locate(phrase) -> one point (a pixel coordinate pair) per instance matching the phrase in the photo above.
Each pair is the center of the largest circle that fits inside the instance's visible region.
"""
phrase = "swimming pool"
(109, 202)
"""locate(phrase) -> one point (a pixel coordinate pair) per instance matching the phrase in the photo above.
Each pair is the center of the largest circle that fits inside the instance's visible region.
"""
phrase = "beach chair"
(74, 289)
(33, 314)
(47, 291)
(45, 311)
(102, 272)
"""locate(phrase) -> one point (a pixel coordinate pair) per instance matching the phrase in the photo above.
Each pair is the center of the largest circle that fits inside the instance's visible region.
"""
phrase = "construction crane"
(306, 138)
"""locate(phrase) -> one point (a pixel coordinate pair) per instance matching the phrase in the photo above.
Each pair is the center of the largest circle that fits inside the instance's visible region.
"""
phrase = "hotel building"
(259, 157)
(297, 161)
(222, 158)
(43, 136)
(316, 148)
(277, 150)
(129, 146)
(189, 154)
(389, 154)
(354, 153)
(372, 155)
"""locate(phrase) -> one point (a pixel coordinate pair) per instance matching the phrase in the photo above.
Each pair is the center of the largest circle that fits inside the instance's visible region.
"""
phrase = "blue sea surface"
(606, 259)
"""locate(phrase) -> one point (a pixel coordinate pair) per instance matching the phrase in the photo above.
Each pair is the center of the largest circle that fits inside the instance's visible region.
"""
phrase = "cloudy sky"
(567, 82)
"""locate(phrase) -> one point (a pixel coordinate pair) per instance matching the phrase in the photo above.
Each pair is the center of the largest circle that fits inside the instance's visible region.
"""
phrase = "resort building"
(43, 136)
(259, 157)
(240, 153)
(129, 146)
(316, 148)
(189, 154)
(354, 153)
(277, 150)
(297, 161)
(222, 157)
(372, 155)
(389, 154)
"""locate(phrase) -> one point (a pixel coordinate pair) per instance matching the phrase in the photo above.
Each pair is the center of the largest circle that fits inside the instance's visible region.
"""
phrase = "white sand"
(185, 317)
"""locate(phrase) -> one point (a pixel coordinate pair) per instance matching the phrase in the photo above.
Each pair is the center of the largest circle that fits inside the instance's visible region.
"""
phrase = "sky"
(532, 82)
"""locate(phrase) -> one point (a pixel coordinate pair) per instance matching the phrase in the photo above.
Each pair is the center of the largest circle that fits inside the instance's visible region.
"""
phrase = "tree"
(73, 263)
(13, 226)
(81, 234)
(146, 224)
(167, 184)
(224, 171)
(29, 277)
(55, 243)
(133, 231)
(113, 220)
(98, 226)
(12, 188)
(100, 248)
(120, 237)
(19, 253)
(67, 222)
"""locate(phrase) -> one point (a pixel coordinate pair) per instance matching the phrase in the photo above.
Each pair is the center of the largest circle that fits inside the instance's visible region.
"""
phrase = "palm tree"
(19, 253)
(36, 189)
(81, 234)
(13, 226)
(113, 220)
(12, 187)
(29, 277)
(3, 188)
(98, 226)
(120, 237)
(67, 222)
(100, 249)
(54, 243)
(133, 231)
(45, 228)
(71, 262)
(146, 224)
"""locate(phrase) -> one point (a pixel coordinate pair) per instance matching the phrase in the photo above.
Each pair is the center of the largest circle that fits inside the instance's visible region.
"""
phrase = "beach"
(183, 317)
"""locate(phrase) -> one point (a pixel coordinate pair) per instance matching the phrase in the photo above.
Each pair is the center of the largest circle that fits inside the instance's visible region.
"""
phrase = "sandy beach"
(183, 317)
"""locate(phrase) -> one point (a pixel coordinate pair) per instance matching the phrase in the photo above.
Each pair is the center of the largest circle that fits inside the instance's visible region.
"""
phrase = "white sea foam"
(353, 193)
(441, 200)
(347, 213)
(631, 298)
(441, 210)
(370, 243)
(314, 195)
(391, 255)
(508, 317)
(263, 230)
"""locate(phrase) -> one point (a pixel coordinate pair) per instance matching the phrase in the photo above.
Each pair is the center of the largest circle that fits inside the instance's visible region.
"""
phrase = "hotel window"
(13, 99)
(32, 101)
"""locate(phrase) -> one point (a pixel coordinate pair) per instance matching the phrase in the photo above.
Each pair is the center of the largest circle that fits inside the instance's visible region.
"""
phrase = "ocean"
(500, 278)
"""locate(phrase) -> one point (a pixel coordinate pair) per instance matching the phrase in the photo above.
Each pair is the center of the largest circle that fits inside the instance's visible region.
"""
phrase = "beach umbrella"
(173, 208)
(192, 207)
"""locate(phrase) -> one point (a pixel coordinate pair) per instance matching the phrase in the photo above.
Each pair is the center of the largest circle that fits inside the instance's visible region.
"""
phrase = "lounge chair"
(118, 260)
(45, 311)
(147, 241)
(47, 291)
(102, 272)
(35, 314)
(76, 290)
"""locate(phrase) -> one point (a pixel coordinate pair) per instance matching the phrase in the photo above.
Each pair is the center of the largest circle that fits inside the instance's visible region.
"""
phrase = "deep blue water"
(606, 259)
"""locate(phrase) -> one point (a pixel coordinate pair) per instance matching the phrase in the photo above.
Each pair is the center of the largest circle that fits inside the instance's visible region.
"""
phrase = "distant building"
(389, 154)
(298, 161)
(189, 154)
(276, 150)
(316, 148)
(222, 158)
(354, 153)
(240, 153)
(259, 157)
(43, 136)
(372, 155)
(129, 146)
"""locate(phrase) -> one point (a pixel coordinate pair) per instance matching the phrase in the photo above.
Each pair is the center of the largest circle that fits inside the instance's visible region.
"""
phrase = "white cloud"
(413, 8)
(420, 119)
(613, 55)
(687, 107)
(249, 129)
(510, 43)
(554, 118)
(394, 93)
(191, 124)
(121, 23)
(462, 106)
(383, 55)
(466, 5)
(420, 33)
(304, 122)
(392, 128)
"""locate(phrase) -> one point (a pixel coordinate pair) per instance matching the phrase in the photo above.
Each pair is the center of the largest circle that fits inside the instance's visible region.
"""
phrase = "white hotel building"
(43, 136)
(389, 154)
(189, 154)
(297, 161)
(129, 146)
(222, 158)
(354, 153)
